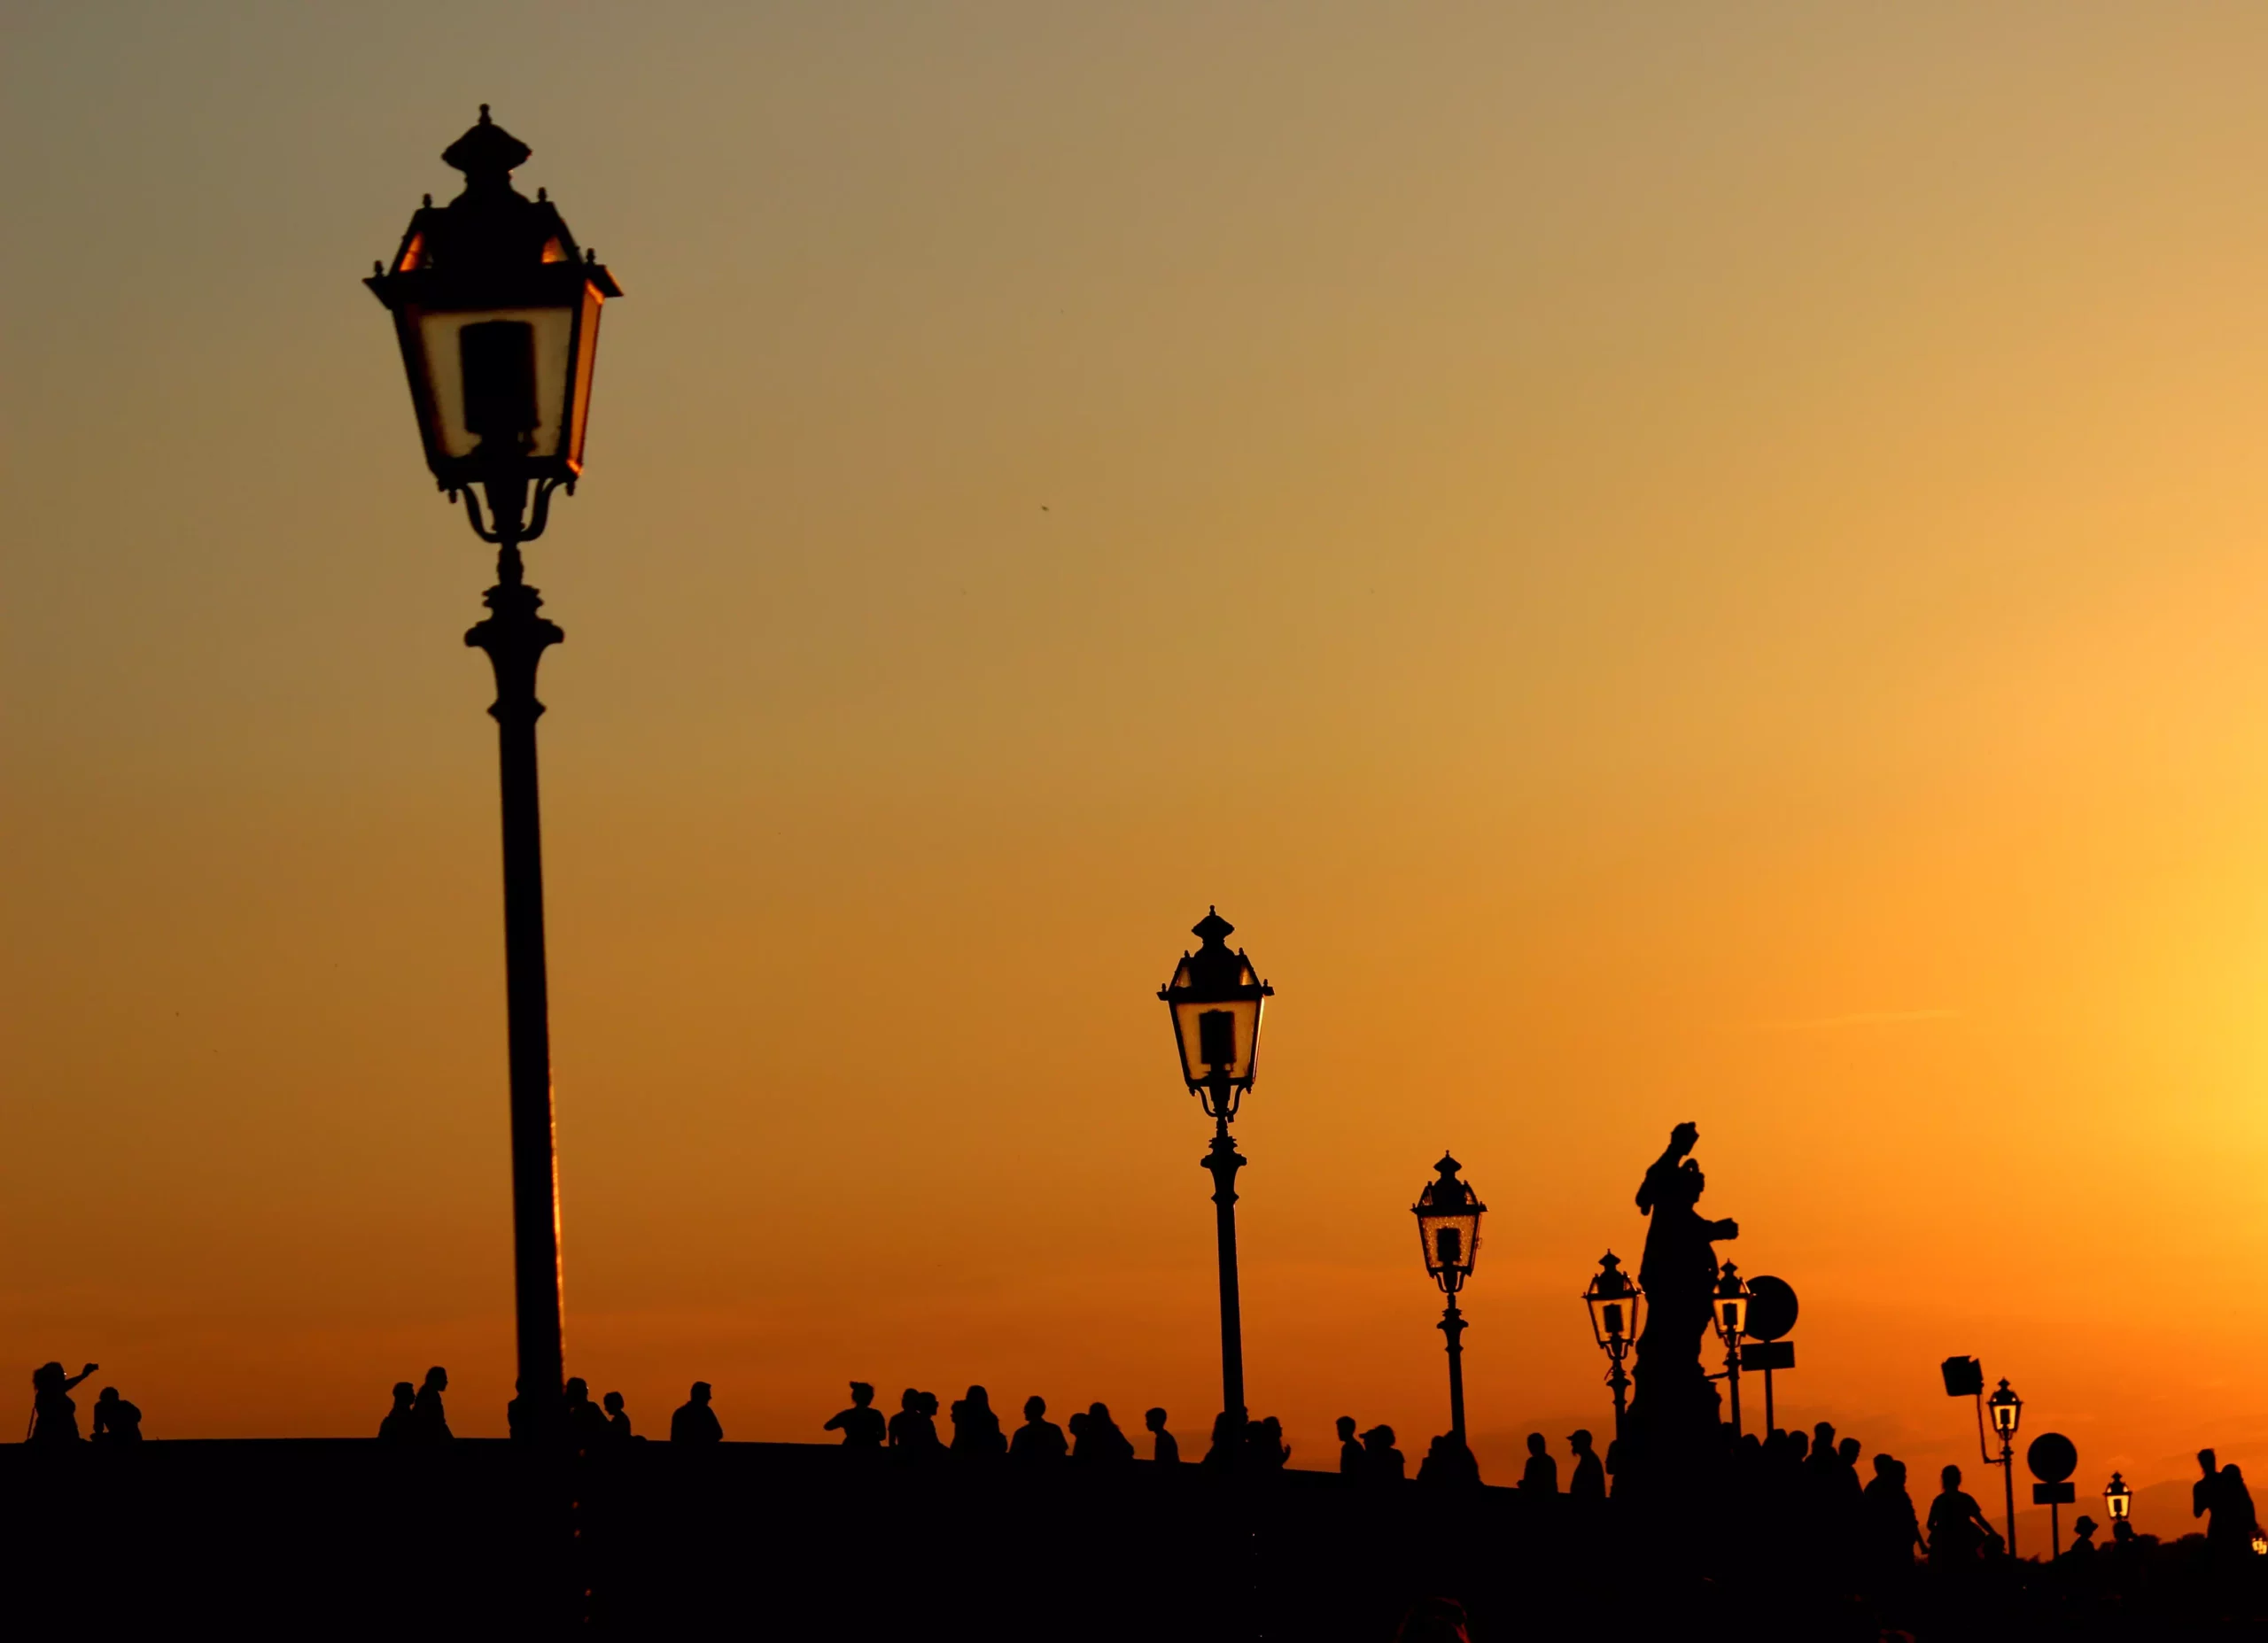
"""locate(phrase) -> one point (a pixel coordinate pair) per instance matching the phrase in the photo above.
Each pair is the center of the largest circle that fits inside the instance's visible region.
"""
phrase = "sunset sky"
(1659, 562)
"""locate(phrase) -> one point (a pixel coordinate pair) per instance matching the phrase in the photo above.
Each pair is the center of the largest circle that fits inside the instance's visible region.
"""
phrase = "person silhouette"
(1540, 1476)
(116, 1420)
(1382, 1462)
(55, 1418)
(401, 1423)
(428, 1418)
(1164, 1451)
(1892, 1531)
(2082, 1549)
(1228, 1439)
(585, 1422)
(1264, 1445)
(1589, 1480)
(1958, 1530)
(2234, 1525)
(976, 1429)
(695, 1422)
(520, 1421)
(617, 1420)
(1038, 1442)
(862, 1424)
(1100, 1443)
(1350, 1448)
(1447, 1463)
(913, 1429)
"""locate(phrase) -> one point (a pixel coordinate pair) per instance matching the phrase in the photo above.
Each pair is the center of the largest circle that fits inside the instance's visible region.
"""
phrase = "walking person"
(429, 1421)
(55, 1418)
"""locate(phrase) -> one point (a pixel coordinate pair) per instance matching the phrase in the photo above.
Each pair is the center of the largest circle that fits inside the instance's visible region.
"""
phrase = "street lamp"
(1449, 1233)
(2007, 1411)
(496, 309)
(1614, 1303)
(1728, 1310)
(2118, 1499)
(1214, 1000)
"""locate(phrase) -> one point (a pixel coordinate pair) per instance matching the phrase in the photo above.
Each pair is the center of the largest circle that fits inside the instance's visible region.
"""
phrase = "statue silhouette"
(1674, 1413)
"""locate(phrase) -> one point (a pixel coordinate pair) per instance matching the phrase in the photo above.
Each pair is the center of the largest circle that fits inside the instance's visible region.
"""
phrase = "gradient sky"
(1659, 562)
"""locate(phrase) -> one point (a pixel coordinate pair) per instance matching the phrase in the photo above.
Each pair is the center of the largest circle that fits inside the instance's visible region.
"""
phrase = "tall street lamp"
(497, 312)
(2007, 1410)
(1728, 1307)
(1448, 1231)
(1614, 1301)
(1214, 999)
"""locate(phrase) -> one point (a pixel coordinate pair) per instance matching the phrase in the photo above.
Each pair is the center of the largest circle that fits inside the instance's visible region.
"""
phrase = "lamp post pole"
(1619, 1381)
(1223, 1160)
(2008, 1487)
(515, 637)
(1452, 1324)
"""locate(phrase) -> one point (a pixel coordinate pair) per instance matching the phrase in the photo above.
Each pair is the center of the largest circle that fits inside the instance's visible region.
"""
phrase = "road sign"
(1771, 1308)
(1768, 1355)
(2052, 1458)
(2054, 1494)
(1964, 1377)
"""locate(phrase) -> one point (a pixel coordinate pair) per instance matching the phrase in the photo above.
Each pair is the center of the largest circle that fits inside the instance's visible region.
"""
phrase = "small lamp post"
(2118, 1499)
(1449, 1232)
(2007, 1411)
(1728, 1310)
(1214, 999)
(1614, 1303)
(496, 310)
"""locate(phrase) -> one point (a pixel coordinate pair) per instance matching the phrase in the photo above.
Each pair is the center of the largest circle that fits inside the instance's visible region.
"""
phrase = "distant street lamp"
(2007, 1410)
(1449, 1232)
(1614, 1303)
(2118, 1499)
(1214, 999)
(497, 312)
(1728, 1309)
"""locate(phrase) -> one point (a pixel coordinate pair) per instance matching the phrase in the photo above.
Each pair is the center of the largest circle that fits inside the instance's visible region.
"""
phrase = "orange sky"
(1658, 567)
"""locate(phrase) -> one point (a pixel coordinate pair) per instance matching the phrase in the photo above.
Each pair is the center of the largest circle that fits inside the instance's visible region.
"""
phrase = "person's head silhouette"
(1345, 1429)
(909, 1401)
(1579, 1440)
(1949, 1479)
(861, 1394)
(980, 1399)
(699, 1393)
(614, 1403)
(404, 1394)
(1155, 1419)
(2084, 1529)
(1848, 1451)
(48, 1377)
(1884, 1467)
(1822, 1439)
(1536, 1444)
(1035, 1408)
(437, 1379)
(2205, 1460)
(108, 1395)
(577, 1391)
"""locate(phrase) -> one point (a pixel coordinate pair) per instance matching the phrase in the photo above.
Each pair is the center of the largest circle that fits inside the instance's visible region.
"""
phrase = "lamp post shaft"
(1619, 1381)
(1732, 1383)
(1452, 1325)
(515, 638)
(2008, 1487)
(1223, 1161)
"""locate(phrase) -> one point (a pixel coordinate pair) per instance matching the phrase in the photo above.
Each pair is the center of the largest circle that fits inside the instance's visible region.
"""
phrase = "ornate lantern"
(1614, 1303)
(1214, 998)
(2007, 1410)
(1728, 1306)
(1448, 1226)
(2118, 1499)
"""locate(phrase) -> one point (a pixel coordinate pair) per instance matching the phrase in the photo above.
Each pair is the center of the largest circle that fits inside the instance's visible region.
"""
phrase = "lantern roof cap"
(1213, 929)
(487, 153)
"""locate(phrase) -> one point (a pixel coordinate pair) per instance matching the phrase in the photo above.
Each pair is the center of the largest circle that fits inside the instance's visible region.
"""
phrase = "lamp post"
(1449, 1232)
(1214, 1000)
(497, 312)
(2007, 1410)
(1614, 1303)
(1728, 1309)
(2118, 1499)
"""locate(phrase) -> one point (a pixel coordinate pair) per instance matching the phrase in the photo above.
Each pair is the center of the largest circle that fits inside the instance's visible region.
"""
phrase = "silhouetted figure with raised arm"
(1228, 1441)
(401, 1423)
(1101, 1444)
(116, 1420)
(1382, 1462)
(1038, 1442)
(1350, 1448)
(55, 1418)
(1541, 1475)
(695, 1422)
(1674, 1415)
(428, 1420)
(862, 1424)
(976, 1429)
(1164, 1451)
(1588, 1481)
(617, 1420)
(1959, 1532)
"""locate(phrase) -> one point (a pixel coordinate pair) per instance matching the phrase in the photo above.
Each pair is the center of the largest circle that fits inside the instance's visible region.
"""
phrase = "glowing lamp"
(1448, 1226)
(497, 312)
(1215, 998)
(1614, 1302)
(1730, 1304)
(2007, 1410)
(2118, 1499)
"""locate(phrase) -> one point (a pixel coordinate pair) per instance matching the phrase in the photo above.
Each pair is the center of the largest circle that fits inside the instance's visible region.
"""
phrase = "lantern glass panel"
(1450, 1241)
(1218, 1036)
(458, 401)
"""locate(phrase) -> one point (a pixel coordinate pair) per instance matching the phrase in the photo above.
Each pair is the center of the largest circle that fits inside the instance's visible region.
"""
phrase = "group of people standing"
(1095, 1438)
(55, 1415)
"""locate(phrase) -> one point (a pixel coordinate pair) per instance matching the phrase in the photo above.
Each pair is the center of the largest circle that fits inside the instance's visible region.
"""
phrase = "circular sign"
(1771, 1308)
(2052, 1458)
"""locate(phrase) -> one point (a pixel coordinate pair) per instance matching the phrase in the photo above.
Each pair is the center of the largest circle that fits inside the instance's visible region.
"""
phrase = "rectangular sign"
(1768, 1355)
(2052, 1494)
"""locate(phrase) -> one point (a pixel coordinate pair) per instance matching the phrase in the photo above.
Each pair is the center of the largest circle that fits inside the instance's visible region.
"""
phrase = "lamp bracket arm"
(472, 512)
